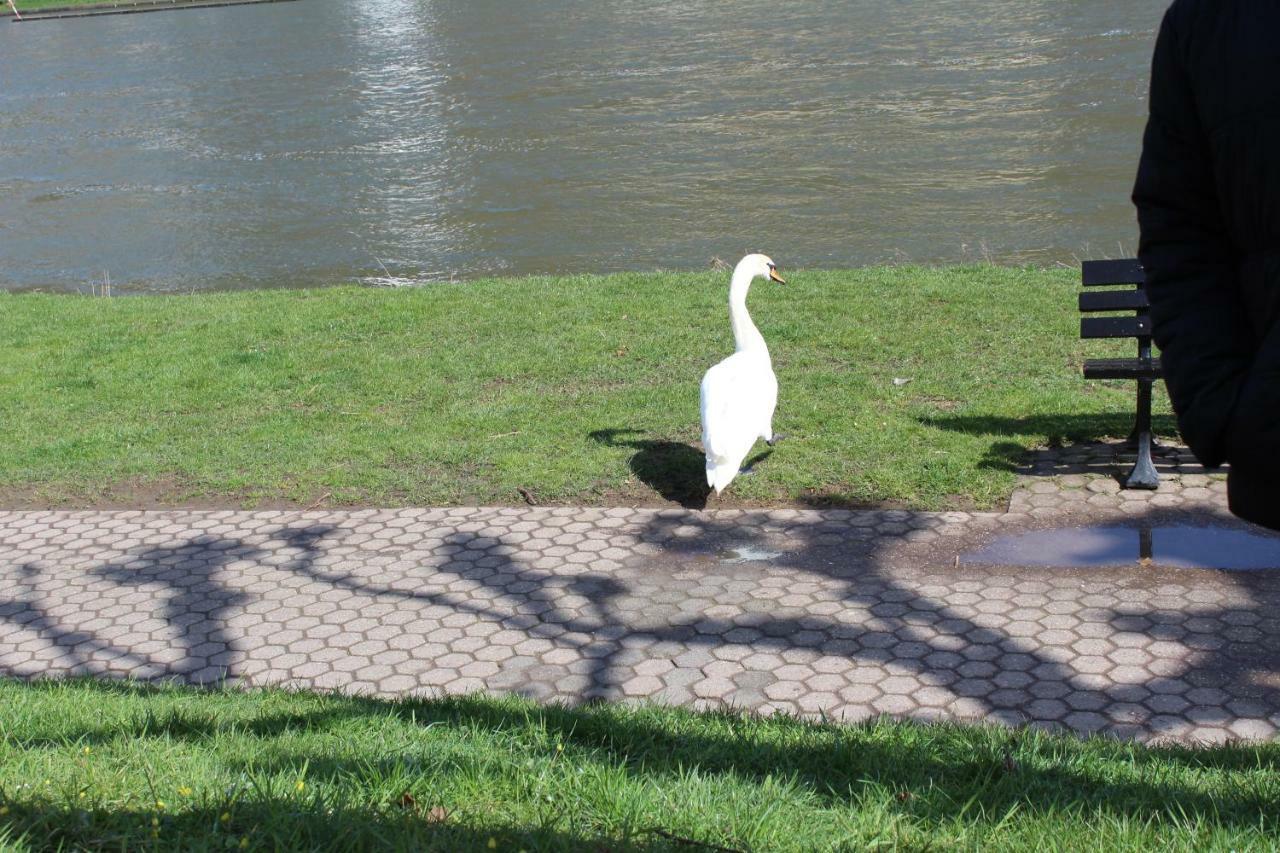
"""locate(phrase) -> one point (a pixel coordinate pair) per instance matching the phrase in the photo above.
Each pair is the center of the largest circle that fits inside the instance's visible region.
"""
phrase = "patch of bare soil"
(131, 494)
(171, 493)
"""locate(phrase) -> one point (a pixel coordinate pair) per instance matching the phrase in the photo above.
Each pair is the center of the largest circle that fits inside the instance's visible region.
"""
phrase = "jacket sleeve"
(1198, 322)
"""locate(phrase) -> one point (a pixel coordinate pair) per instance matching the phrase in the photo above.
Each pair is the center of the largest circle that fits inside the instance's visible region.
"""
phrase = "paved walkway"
(836, 613)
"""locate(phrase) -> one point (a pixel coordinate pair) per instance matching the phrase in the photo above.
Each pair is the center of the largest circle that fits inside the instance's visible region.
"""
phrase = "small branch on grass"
(527, 495)
(504, 434)
(321, 500)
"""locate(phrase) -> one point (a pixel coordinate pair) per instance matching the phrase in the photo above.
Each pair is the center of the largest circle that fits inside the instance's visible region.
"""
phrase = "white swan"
(740, 393)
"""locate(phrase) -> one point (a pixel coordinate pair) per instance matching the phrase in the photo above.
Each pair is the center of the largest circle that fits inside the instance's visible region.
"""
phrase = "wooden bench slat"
(1125, 271)
(1123, 368)
(1115, 327)
(1114, 300)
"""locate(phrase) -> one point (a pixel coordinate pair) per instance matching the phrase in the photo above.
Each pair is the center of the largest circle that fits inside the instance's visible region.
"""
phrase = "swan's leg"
(775, 438)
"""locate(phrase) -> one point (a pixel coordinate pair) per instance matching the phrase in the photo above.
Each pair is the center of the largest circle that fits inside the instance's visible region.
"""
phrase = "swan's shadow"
(675, 470)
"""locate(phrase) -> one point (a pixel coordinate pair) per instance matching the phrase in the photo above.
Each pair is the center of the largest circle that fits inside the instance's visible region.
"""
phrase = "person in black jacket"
(1208, 200)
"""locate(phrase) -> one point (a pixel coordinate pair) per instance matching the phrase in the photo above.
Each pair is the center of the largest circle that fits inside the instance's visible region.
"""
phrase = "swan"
(740, 393)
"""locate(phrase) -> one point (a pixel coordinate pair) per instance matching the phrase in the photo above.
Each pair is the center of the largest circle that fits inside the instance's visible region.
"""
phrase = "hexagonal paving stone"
(517, 599)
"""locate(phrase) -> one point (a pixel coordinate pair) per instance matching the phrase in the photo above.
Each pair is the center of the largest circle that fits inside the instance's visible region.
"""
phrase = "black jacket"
(1208, 199)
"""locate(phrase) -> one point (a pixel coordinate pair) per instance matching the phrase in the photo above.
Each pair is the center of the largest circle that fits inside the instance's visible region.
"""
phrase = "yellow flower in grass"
(4, 810)
(88, 751)
(225, 817)
(184, 791)
(160, 805)
(493, 844)
(299, 785)
(244, 841)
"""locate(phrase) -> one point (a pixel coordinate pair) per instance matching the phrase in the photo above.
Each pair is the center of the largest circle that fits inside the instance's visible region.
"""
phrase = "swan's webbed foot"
(777, 436)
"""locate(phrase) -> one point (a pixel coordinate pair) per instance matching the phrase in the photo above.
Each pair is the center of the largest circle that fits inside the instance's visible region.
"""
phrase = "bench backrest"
(1101, 274)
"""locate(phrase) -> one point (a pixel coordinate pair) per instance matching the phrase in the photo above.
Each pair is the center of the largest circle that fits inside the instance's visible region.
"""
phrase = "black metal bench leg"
(1135, 438)
(1143, 475)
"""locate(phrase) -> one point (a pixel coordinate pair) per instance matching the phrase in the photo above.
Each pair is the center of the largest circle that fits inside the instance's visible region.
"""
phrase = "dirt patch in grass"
(641, 496)
(135, 493)
(172, 493)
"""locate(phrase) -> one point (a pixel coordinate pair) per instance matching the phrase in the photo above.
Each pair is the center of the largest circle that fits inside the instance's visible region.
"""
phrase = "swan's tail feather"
(719, 475)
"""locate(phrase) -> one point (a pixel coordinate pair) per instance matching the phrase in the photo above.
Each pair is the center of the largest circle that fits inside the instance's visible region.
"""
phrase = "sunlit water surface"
(411, 140)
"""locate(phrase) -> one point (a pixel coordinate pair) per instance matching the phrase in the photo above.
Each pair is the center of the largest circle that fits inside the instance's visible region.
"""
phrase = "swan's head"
(759, 265)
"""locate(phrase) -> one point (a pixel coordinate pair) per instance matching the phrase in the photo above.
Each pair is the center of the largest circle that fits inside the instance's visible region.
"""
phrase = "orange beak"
(773, 274)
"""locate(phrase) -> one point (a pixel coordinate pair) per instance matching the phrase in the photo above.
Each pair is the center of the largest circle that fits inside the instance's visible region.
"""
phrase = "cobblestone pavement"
(1087, 479)
(838, 613)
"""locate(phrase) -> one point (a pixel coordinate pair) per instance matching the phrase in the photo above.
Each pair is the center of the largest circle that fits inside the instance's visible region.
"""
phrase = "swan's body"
(739, 394)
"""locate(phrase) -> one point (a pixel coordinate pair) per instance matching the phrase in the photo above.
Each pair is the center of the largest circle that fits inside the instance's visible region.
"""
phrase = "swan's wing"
(731, 405)
(766, 399)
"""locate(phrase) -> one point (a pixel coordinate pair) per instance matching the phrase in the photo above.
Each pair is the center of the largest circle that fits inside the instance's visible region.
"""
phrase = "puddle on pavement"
(1174, 546)
(746, 554)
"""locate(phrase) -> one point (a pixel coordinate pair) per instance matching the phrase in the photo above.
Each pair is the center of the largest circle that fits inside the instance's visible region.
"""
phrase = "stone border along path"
(838, 613)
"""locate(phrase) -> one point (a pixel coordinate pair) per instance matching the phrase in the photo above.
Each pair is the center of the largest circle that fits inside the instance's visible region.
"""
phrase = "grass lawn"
(87, 765)
(574, 390)
(38, 5)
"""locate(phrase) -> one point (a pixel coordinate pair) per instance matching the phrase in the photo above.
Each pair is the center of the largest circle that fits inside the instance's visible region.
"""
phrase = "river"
(403, 141)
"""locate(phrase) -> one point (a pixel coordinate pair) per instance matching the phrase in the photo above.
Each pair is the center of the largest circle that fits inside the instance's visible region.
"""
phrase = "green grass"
(37, 5)
(87, 765)
(577, 390)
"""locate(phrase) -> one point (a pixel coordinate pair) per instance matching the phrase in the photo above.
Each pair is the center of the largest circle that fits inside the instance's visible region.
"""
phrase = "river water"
(326, 141)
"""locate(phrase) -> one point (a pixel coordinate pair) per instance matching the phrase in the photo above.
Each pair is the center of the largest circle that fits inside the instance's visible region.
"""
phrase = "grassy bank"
(574, 390)
(103, 766)
(38, 5)
(25, 6)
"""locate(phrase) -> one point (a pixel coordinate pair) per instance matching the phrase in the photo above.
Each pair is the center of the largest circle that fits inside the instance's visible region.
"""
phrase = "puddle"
(746, 554)
(1175, 546)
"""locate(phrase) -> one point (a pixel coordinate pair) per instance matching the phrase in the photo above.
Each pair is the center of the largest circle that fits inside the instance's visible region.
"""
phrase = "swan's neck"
(746, 336)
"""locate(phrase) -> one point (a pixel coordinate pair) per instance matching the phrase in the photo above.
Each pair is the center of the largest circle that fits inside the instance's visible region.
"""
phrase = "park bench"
(1135, 324)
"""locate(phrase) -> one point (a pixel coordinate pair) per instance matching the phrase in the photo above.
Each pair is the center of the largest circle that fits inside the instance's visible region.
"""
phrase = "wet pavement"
(829, 613)
(1204, 545)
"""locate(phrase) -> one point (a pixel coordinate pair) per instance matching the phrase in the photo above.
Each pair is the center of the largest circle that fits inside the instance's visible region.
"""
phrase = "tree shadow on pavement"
(189, 639)
(701, 620)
